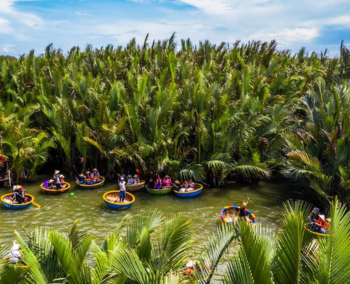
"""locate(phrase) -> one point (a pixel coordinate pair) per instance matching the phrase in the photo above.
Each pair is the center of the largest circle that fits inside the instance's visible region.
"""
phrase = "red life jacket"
(322, 223)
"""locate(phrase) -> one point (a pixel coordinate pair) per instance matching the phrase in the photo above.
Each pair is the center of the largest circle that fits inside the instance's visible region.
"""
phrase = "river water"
(60, 211)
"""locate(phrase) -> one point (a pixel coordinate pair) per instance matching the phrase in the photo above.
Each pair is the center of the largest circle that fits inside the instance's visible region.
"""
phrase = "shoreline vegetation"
(151, 248)
(240, 112)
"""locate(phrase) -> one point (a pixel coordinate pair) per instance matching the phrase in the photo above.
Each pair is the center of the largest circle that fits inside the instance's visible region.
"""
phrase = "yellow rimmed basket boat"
(55, 191)
(7, 203)
(197, 191)
(135, 187)
(307, 227)
(111, 198)
(92, 186)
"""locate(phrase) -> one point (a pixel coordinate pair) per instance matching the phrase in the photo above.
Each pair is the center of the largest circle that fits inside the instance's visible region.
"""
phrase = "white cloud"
(211, 7)
(287, 37)
(293, 23)
(7, 48)
(4, 26)
(80, 14)
(124, 31)
(226, 7)
(338, 20)
(15, 16)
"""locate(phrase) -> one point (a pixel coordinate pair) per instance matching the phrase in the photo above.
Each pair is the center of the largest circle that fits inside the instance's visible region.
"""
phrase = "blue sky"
(30, 24)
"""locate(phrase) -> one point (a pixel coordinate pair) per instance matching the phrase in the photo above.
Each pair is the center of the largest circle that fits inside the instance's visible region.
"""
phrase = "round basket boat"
(55, 191)
(197, 191)
(229, 214)
(159, 191)
(111, 198)
(6, 201)
(135, 187)
(307, 227)
(92, 186)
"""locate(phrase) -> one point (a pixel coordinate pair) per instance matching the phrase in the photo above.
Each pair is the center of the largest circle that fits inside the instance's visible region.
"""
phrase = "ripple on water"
(59, 212)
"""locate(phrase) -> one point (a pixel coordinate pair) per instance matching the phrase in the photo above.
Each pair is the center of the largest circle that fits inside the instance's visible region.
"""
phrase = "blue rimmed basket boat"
(111, 198)
(92, 186)
(6, 202)
(197, 191)
(229, 215)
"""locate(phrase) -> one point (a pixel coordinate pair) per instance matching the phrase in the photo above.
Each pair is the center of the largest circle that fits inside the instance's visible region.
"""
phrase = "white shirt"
(122, 185)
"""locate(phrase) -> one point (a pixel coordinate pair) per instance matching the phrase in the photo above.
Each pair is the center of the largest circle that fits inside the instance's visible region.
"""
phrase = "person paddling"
(122, 190)
(56, 179)
(18, 193)
(242, 209)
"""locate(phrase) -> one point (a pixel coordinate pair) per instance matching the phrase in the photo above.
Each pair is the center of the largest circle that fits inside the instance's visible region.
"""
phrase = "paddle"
(248, 198)
(37, 205)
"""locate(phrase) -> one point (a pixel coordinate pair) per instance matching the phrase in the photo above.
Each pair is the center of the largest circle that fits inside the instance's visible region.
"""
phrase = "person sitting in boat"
(49, 184)
(166, 182)
(96, 176)
(122, 189)
(136, 179)
(184, 187)
(190, 267)
(88, 179)
(159, 183)
(315, 212)
(191, 185)
(18, 194)
(318, 222)
(320, 225)
(81, 178)
(130, 180)
(177, 185)
(15, 253)
(150, 184)
(63, 183)
(57, 180)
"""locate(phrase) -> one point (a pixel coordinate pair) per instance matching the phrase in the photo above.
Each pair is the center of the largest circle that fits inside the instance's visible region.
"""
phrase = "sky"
(33, 24)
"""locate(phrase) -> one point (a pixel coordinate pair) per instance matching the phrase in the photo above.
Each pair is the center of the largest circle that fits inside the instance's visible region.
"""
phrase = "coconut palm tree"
(150, 249)
(153, 249)
(152, 104)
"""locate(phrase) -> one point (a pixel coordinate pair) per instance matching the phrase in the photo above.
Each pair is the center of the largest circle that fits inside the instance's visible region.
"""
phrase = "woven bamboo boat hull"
(159, 191)
(111, 198)
(198, 190)
(92, 186)
(136, 187)
(55, 191)
(251, 218)
(314, 233)
(11, 206)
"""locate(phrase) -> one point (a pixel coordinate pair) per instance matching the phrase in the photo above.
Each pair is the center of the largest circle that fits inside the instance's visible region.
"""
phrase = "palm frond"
(291, 243)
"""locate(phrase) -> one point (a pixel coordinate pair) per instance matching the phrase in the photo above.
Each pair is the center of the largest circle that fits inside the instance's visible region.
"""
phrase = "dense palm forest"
(152, 249)
(241, 112)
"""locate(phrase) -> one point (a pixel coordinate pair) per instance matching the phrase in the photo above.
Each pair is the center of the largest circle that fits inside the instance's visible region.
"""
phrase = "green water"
(60, 211)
